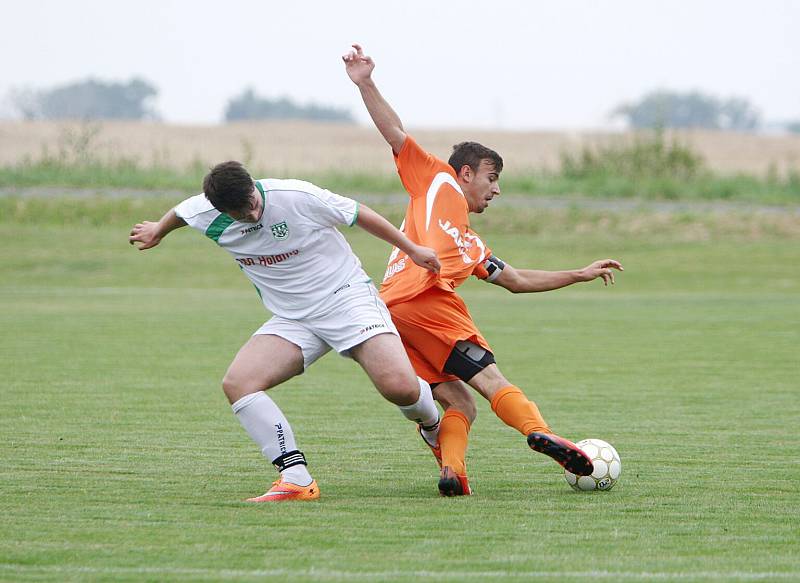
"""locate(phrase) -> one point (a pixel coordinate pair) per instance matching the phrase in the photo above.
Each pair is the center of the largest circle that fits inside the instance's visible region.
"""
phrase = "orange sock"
(515, 410)
(453, 437)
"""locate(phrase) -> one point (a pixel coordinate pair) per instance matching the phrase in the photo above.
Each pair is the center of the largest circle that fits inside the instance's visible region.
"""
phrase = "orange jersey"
(438, 217)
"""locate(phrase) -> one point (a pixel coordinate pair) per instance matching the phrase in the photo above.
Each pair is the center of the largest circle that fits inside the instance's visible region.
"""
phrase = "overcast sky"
(515, 64)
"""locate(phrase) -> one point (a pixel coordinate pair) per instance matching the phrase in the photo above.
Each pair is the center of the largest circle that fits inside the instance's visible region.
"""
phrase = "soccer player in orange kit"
(443, 343)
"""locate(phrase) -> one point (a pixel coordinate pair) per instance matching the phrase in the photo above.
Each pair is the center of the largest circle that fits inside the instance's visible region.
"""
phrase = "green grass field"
(122, 460)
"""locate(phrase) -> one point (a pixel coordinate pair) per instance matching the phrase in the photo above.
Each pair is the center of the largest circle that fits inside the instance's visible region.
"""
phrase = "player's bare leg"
(264, 362)
(511, 405)
(384, 360)
(459, 413)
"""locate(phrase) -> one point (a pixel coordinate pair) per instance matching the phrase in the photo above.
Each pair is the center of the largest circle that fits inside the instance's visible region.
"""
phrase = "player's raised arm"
(359, 68)
(376, 225)
(149, 234)
(532, 280)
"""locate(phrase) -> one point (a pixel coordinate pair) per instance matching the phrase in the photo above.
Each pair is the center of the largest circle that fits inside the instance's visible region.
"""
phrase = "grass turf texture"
(122, 460)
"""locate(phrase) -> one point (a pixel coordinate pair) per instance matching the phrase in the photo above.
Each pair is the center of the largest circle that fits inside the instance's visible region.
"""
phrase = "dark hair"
(228, 186)
(471, 154)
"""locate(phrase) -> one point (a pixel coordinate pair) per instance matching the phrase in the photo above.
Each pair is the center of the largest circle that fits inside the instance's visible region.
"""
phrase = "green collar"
(263, 194)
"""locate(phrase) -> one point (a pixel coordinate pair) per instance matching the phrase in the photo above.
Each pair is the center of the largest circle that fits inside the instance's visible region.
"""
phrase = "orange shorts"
(430, 324)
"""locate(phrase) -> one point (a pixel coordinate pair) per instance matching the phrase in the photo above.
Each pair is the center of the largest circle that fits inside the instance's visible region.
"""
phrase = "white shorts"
(354, 314)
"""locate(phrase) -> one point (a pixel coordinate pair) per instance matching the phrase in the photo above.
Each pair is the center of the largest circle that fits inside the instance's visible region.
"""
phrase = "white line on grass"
(329, 574)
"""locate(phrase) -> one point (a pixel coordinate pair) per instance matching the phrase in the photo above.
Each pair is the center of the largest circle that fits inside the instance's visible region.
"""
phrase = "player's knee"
(231, 388)
(402, 392)
(399, 389)
(235, 387)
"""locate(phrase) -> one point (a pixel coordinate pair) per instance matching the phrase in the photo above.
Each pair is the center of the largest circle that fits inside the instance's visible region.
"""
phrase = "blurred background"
(622, 99)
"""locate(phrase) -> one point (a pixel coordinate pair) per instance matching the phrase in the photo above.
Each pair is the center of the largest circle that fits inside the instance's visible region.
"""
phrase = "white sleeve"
(327, 208)
(196, 211)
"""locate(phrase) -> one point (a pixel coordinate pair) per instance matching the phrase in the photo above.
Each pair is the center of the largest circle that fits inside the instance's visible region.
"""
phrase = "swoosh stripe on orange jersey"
(433, 190)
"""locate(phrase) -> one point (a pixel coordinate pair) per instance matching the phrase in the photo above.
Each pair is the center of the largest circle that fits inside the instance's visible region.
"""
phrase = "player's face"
(481, 187)
(252, 212)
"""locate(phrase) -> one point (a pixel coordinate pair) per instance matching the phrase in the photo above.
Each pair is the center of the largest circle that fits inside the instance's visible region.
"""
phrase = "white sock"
(424, 413)
(266, 425)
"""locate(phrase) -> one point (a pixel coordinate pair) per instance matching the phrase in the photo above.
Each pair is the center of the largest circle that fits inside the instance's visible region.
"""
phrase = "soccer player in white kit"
(283, 235)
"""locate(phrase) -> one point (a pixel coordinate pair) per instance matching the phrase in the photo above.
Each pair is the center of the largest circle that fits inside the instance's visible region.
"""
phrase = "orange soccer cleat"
(286, 491)
(567, 454)
(451, 484)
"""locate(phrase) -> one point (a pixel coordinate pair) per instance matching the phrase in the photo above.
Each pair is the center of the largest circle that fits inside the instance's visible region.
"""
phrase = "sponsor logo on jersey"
(345, 286)
(371, 327)
(280, 230)
(464, 242)
(394, 268)
(267, 260)
(252, 229)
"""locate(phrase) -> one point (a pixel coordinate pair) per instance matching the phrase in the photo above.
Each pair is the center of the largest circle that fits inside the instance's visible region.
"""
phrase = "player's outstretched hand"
(427, 258)
(601, 268)
(358, 66)
(146, 234)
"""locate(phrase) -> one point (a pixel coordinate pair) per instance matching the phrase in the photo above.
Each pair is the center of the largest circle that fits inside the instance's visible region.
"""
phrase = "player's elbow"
(516, 285)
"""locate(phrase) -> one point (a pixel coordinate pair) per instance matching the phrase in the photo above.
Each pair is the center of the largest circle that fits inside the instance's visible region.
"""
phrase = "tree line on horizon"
(91, 99)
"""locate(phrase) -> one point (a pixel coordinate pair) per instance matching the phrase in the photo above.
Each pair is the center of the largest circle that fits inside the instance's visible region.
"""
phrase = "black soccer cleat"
(567, 454)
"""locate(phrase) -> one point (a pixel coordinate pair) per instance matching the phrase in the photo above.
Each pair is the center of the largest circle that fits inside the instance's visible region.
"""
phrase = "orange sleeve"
(480, 270)
(416, 167)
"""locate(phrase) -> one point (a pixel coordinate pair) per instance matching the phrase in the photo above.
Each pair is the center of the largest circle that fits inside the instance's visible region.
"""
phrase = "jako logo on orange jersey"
(464, 242)
(394, 268)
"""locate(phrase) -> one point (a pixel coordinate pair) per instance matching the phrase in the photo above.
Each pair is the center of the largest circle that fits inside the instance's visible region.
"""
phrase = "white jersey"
(294, 254)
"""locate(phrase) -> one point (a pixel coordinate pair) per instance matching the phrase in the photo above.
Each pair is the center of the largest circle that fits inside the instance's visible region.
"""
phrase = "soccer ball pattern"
(607, 467)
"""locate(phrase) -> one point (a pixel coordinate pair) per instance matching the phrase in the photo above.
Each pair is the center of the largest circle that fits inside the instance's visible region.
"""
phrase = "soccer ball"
(607, 467)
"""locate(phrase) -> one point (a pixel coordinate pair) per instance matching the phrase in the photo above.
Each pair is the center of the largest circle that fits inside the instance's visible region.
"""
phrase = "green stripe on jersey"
(217, 226)
(223, 221)
(263, 194)
(355, 216)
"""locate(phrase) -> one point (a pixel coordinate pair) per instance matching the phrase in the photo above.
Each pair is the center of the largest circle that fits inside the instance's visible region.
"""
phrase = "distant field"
(296, 147)
(123, 462)
(656, 166)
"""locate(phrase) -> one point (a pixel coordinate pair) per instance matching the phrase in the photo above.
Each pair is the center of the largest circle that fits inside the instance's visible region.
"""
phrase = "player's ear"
(466, 173)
